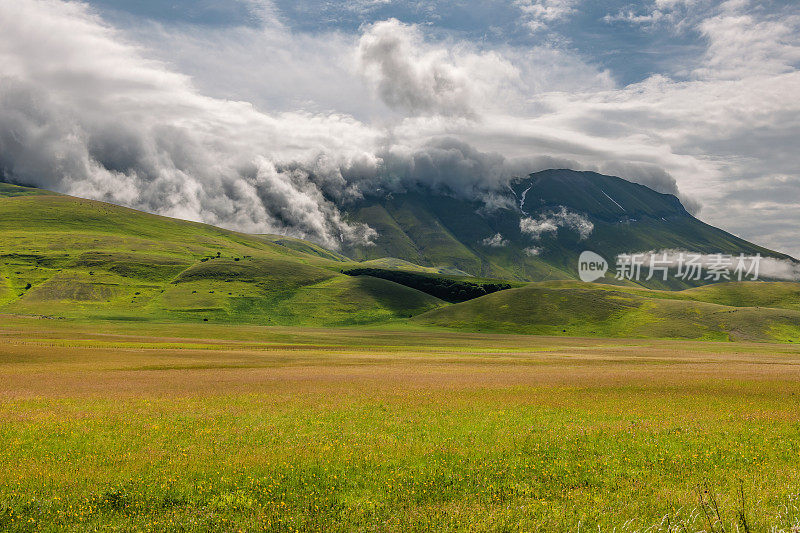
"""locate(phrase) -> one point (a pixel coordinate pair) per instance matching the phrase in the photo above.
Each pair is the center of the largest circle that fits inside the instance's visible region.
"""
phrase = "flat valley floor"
(187, 427)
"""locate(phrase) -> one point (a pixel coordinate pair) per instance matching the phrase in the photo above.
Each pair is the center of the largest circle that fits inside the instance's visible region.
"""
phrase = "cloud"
(84, 113)
(629, 16)
(533, 251)
(495, 241)
(730, 268)
(539, 13)
(742, 43)
(414, 78)
(677, 15)
(269, 66)
(445, 163)
(782, 269)
(550, 222)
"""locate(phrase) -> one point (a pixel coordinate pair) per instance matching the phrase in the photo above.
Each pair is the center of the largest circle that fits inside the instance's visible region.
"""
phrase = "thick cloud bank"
(84, 113)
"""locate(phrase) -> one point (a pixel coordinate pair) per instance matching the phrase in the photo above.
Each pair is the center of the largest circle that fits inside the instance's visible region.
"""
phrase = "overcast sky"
(254, 114)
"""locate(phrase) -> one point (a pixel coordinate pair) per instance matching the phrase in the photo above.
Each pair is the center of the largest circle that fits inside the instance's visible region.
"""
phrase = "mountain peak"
(607, 198)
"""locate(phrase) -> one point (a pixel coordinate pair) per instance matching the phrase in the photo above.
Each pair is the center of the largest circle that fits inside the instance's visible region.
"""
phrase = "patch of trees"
(449, 290)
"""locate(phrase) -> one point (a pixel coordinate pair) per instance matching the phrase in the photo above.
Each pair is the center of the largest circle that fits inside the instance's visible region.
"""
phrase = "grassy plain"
(197, 427)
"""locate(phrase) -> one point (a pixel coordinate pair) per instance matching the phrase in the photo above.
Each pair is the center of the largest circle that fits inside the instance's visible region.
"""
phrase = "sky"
(269, 115)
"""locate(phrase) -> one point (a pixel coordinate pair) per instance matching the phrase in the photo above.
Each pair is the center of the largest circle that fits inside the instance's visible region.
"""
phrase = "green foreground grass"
(186, 427)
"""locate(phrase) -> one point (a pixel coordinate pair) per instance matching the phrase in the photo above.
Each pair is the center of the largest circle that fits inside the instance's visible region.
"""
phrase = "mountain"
(538, 231)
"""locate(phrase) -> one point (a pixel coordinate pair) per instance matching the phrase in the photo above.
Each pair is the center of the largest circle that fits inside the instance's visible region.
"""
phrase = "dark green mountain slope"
(442, 230)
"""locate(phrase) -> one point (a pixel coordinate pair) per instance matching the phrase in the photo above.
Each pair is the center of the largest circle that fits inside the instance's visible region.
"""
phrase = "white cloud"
(677, 15)
(749, 267)
(744, 44)
(533, 251)
(83, 112)
(550, 222)
(652, 17)
(672, 4)
(417, 79)
(539, 13)
(495, 241)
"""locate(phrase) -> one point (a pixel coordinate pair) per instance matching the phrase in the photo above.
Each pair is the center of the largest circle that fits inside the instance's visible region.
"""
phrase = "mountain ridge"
(546, 221)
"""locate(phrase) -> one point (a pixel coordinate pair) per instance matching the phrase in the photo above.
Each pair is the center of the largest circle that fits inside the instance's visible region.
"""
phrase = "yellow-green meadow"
(153, 427)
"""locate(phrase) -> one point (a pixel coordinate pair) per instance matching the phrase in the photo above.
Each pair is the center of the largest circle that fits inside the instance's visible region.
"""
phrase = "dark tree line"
(446, 289)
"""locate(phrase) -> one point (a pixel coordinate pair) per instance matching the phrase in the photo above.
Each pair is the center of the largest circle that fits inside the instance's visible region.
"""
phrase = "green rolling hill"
(69, 257)
(724, 312)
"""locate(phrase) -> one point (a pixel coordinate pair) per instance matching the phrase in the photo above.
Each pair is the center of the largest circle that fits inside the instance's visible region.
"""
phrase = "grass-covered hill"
(754, 311)
(433, 228)
(69, 257)
(80, 259)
